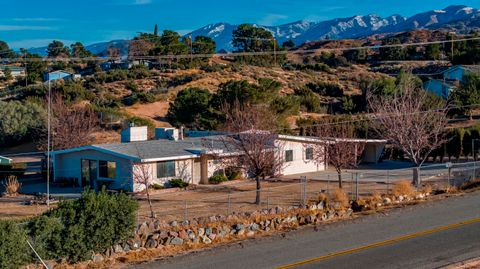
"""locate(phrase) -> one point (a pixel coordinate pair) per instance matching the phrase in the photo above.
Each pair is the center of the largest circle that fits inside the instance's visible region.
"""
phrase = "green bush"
(233, 173)
(14, 251)
(91, 224)
(157, 186)
(217, 179)
(177, 183)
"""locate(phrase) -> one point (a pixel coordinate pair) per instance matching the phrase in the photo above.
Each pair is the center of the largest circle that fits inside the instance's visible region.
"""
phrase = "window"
(165, 169)
(107, 169)
(288, 155)
(309, 154)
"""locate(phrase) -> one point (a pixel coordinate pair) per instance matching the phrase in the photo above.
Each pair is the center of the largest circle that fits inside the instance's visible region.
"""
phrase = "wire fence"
(358, 184)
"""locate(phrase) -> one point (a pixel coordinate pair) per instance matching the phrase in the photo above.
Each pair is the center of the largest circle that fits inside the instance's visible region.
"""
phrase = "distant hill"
(459, 18)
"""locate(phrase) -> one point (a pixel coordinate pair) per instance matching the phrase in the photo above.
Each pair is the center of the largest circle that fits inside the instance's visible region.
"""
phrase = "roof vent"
(167, 133)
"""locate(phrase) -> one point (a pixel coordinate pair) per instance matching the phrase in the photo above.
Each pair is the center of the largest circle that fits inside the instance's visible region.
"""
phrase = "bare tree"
(410, 121)
(139, 48)
(143, 175)
(251, 143)
(72, 126)
(337, 146)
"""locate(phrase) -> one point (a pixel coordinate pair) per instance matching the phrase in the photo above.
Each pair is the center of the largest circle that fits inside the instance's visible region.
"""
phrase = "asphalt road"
(430, 235)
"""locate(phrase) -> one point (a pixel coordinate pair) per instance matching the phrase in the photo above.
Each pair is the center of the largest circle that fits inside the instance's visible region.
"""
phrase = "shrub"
(233, 173)
(326, 89)
(217, 179)
(339, 198)
(12, 186)
(177, 183)
(157, 186)
(403, 188)
(91, 224)
(14, 251)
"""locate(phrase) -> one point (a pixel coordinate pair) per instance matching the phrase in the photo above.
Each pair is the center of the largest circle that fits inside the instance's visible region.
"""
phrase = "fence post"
(185, 216)
(474, 168)
(356, 186)
(229, 210)
(268, 198)
(351, 187)
(303, 179)
(388, 181)
(328, 183)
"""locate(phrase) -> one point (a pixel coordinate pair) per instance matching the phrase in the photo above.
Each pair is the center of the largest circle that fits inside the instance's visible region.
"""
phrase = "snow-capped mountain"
(353, 27)
(453, 18)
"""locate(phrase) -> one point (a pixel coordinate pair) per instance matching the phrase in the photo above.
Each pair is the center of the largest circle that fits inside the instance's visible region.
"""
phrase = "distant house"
(16, 71)
(440, 88)
(60, 74)
(457, 72)
(5, 160)
(451, 79)
(171, 155)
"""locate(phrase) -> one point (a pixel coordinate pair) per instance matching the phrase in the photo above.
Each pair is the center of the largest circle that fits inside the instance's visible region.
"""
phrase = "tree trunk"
(340, 180)
(257, 197)
(152, 214)
(416, 176)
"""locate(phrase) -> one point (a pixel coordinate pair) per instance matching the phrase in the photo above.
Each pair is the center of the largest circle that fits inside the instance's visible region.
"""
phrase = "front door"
(89, 173)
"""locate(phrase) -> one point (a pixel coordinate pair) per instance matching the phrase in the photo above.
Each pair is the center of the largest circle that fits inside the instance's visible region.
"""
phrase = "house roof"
(470, 68)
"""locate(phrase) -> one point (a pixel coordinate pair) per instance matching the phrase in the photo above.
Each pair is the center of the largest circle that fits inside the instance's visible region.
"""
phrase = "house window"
(289, 155)
(107, 169)
(309, 154)
(165, 169)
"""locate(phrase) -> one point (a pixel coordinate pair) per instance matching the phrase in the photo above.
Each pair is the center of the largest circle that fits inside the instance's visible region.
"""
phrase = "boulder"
(191, 235)
(238, 226)
(387, 201)
(324, 217)
(185, 223)
(151, 243)
(206, 240)
(117, 248)
(172, 234)
(183, 234)
(313, 207)
(96, 258)
(212, 236)
(208, 231)
(254, 227)
(250, 234)
(201, 231)
(320, 205)
(174, 223)
(176, 241)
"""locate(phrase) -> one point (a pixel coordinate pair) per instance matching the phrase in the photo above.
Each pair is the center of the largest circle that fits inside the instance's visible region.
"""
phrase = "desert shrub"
(14, 251)
(177, 183)
(403, 188)
(131, 85)
(93, 223)
(212, 68)
(157, 186)
(308, 99)
(12, 186)
(339, 198)
(233, 173)
(217, 179)
(326, 89)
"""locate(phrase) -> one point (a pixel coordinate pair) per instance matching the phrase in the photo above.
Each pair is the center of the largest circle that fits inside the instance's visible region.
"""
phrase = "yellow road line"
(382, 243)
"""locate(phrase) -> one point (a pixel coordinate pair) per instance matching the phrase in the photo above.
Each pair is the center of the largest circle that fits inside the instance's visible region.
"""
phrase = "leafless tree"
(143, 175)
(72, 126)
(139, 48)
(337, 146)
(113, 53)
(251, 143)
(410, 121)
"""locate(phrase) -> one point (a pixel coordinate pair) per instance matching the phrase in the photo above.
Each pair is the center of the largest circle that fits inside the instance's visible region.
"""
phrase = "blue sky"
(34, 23)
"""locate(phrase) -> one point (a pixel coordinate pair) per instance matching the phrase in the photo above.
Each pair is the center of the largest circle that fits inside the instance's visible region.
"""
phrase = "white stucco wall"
(70, 165)
(183, 170)
(299, 164)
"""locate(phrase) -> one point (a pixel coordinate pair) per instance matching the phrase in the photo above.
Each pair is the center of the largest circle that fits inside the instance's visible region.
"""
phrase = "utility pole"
(49, 112)
(275, 51)
(26, 77)
(191, 48)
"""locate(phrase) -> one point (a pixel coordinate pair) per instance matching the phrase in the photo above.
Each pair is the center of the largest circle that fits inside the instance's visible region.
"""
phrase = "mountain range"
(459, 18)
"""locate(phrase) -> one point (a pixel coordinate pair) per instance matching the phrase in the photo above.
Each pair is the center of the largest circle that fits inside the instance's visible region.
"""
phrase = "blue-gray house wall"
(69, 165)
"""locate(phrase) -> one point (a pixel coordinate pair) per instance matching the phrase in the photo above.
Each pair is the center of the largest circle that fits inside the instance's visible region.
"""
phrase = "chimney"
(167, 133)
(132, 134)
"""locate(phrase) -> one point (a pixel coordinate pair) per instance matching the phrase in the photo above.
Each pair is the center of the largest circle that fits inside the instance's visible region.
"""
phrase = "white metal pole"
(49, 111)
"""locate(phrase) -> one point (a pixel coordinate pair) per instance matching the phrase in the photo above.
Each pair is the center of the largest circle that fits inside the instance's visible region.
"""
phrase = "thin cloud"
(35, 43)
(132, 2)
(272, 19)
(39, 19)
(25, 28)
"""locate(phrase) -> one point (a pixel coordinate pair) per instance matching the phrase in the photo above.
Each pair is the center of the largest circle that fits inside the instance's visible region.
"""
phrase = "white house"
(170, 156)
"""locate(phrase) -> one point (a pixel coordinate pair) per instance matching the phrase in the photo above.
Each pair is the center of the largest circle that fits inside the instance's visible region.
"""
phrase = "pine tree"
(155, 30)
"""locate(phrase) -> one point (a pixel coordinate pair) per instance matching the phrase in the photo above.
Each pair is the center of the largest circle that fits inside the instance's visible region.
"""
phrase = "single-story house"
(172, 154)
(440, 88)
(60, 74)
(5, 160)
(457, 72)
(15, 71)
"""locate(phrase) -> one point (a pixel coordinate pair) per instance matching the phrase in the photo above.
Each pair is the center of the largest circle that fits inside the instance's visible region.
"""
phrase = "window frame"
(309, 153)
(164, 171)
(289, 153)
(107, 169)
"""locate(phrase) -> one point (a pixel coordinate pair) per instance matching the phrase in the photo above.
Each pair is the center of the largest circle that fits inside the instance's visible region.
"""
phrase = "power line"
(239, 54)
